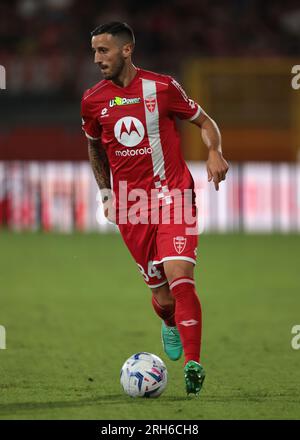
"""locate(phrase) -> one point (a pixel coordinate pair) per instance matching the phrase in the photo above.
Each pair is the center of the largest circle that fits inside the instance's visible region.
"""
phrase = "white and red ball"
(144, 375)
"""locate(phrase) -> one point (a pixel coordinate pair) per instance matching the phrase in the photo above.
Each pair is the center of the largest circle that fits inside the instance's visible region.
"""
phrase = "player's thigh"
(140, 240)
(177, 269)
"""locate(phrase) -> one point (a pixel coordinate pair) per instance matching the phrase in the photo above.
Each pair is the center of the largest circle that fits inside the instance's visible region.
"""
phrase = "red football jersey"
(136, 126)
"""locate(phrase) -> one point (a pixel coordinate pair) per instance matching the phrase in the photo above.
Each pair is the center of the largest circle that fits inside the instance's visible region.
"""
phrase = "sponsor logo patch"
(138, 152)
(123, 101)
(129, 131)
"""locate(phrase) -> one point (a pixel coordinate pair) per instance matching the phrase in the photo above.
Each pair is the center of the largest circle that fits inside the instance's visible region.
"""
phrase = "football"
(144, 375)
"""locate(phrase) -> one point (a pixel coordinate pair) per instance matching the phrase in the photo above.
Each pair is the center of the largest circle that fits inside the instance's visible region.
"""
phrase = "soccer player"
(129, 121)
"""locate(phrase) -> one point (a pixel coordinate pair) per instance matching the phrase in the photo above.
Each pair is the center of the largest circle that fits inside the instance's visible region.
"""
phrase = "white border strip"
(152, 123)
(196, 114)
(90, 137)
(191, 260)
(96, 90)
(181, 281)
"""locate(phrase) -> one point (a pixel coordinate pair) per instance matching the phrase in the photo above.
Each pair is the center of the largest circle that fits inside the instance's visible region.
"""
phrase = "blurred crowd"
(46, 43)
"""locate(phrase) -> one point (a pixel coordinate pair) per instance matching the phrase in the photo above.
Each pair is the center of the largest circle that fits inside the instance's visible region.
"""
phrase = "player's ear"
(127, 49)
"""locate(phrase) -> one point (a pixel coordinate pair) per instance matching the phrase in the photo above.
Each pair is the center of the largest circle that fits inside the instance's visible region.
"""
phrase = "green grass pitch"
(75, 308)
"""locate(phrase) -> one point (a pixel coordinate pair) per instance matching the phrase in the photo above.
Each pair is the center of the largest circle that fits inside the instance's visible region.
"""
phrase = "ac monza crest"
(179, 244)
(150, 104)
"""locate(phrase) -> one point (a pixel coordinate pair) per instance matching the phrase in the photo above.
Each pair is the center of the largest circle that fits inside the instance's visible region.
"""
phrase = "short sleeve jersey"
(137, 129)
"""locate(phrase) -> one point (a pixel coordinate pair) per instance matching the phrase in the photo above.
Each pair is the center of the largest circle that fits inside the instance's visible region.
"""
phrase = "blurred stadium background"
(235, 58)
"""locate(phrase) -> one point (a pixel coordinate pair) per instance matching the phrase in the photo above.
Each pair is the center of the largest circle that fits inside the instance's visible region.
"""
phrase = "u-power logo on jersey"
(123, 101)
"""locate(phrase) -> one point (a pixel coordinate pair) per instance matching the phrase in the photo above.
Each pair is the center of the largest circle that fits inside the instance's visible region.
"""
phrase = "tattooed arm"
(100, 166)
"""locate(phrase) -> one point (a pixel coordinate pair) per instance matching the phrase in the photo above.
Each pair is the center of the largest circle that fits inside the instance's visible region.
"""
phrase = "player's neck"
(126, 76)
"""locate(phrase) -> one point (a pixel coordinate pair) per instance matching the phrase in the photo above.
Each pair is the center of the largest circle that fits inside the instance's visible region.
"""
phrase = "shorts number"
(143, 272)
(152, 271)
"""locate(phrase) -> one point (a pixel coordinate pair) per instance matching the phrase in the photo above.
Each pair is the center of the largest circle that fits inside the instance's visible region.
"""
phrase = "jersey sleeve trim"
(196, 114)
(90, 137)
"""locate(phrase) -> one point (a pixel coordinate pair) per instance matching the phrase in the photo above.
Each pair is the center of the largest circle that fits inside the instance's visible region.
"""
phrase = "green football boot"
(194, 375)
(171, 342)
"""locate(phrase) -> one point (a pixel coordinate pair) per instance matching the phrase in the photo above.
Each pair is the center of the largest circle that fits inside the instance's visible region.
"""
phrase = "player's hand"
(109, 210)
(217, 167)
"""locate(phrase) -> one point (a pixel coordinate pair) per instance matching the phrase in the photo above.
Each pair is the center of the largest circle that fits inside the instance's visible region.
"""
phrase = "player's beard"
(116, 70)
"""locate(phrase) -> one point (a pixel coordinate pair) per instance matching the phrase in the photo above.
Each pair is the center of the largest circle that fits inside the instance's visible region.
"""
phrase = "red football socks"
(166, 312)
(188, 316)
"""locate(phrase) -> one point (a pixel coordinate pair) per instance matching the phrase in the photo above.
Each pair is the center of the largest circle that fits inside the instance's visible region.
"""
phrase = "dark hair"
(115, 28)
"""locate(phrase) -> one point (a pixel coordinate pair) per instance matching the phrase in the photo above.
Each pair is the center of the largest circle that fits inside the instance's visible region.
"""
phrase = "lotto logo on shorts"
(179, 244)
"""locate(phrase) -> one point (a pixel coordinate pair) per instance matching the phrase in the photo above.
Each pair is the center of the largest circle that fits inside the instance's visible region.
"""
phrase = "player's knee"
(155, 291)
(163, 295)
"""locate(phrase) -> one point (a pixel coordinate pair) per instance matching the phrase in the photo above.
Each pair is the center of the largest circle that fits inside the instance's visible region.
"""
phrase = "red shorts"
(152, 244)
